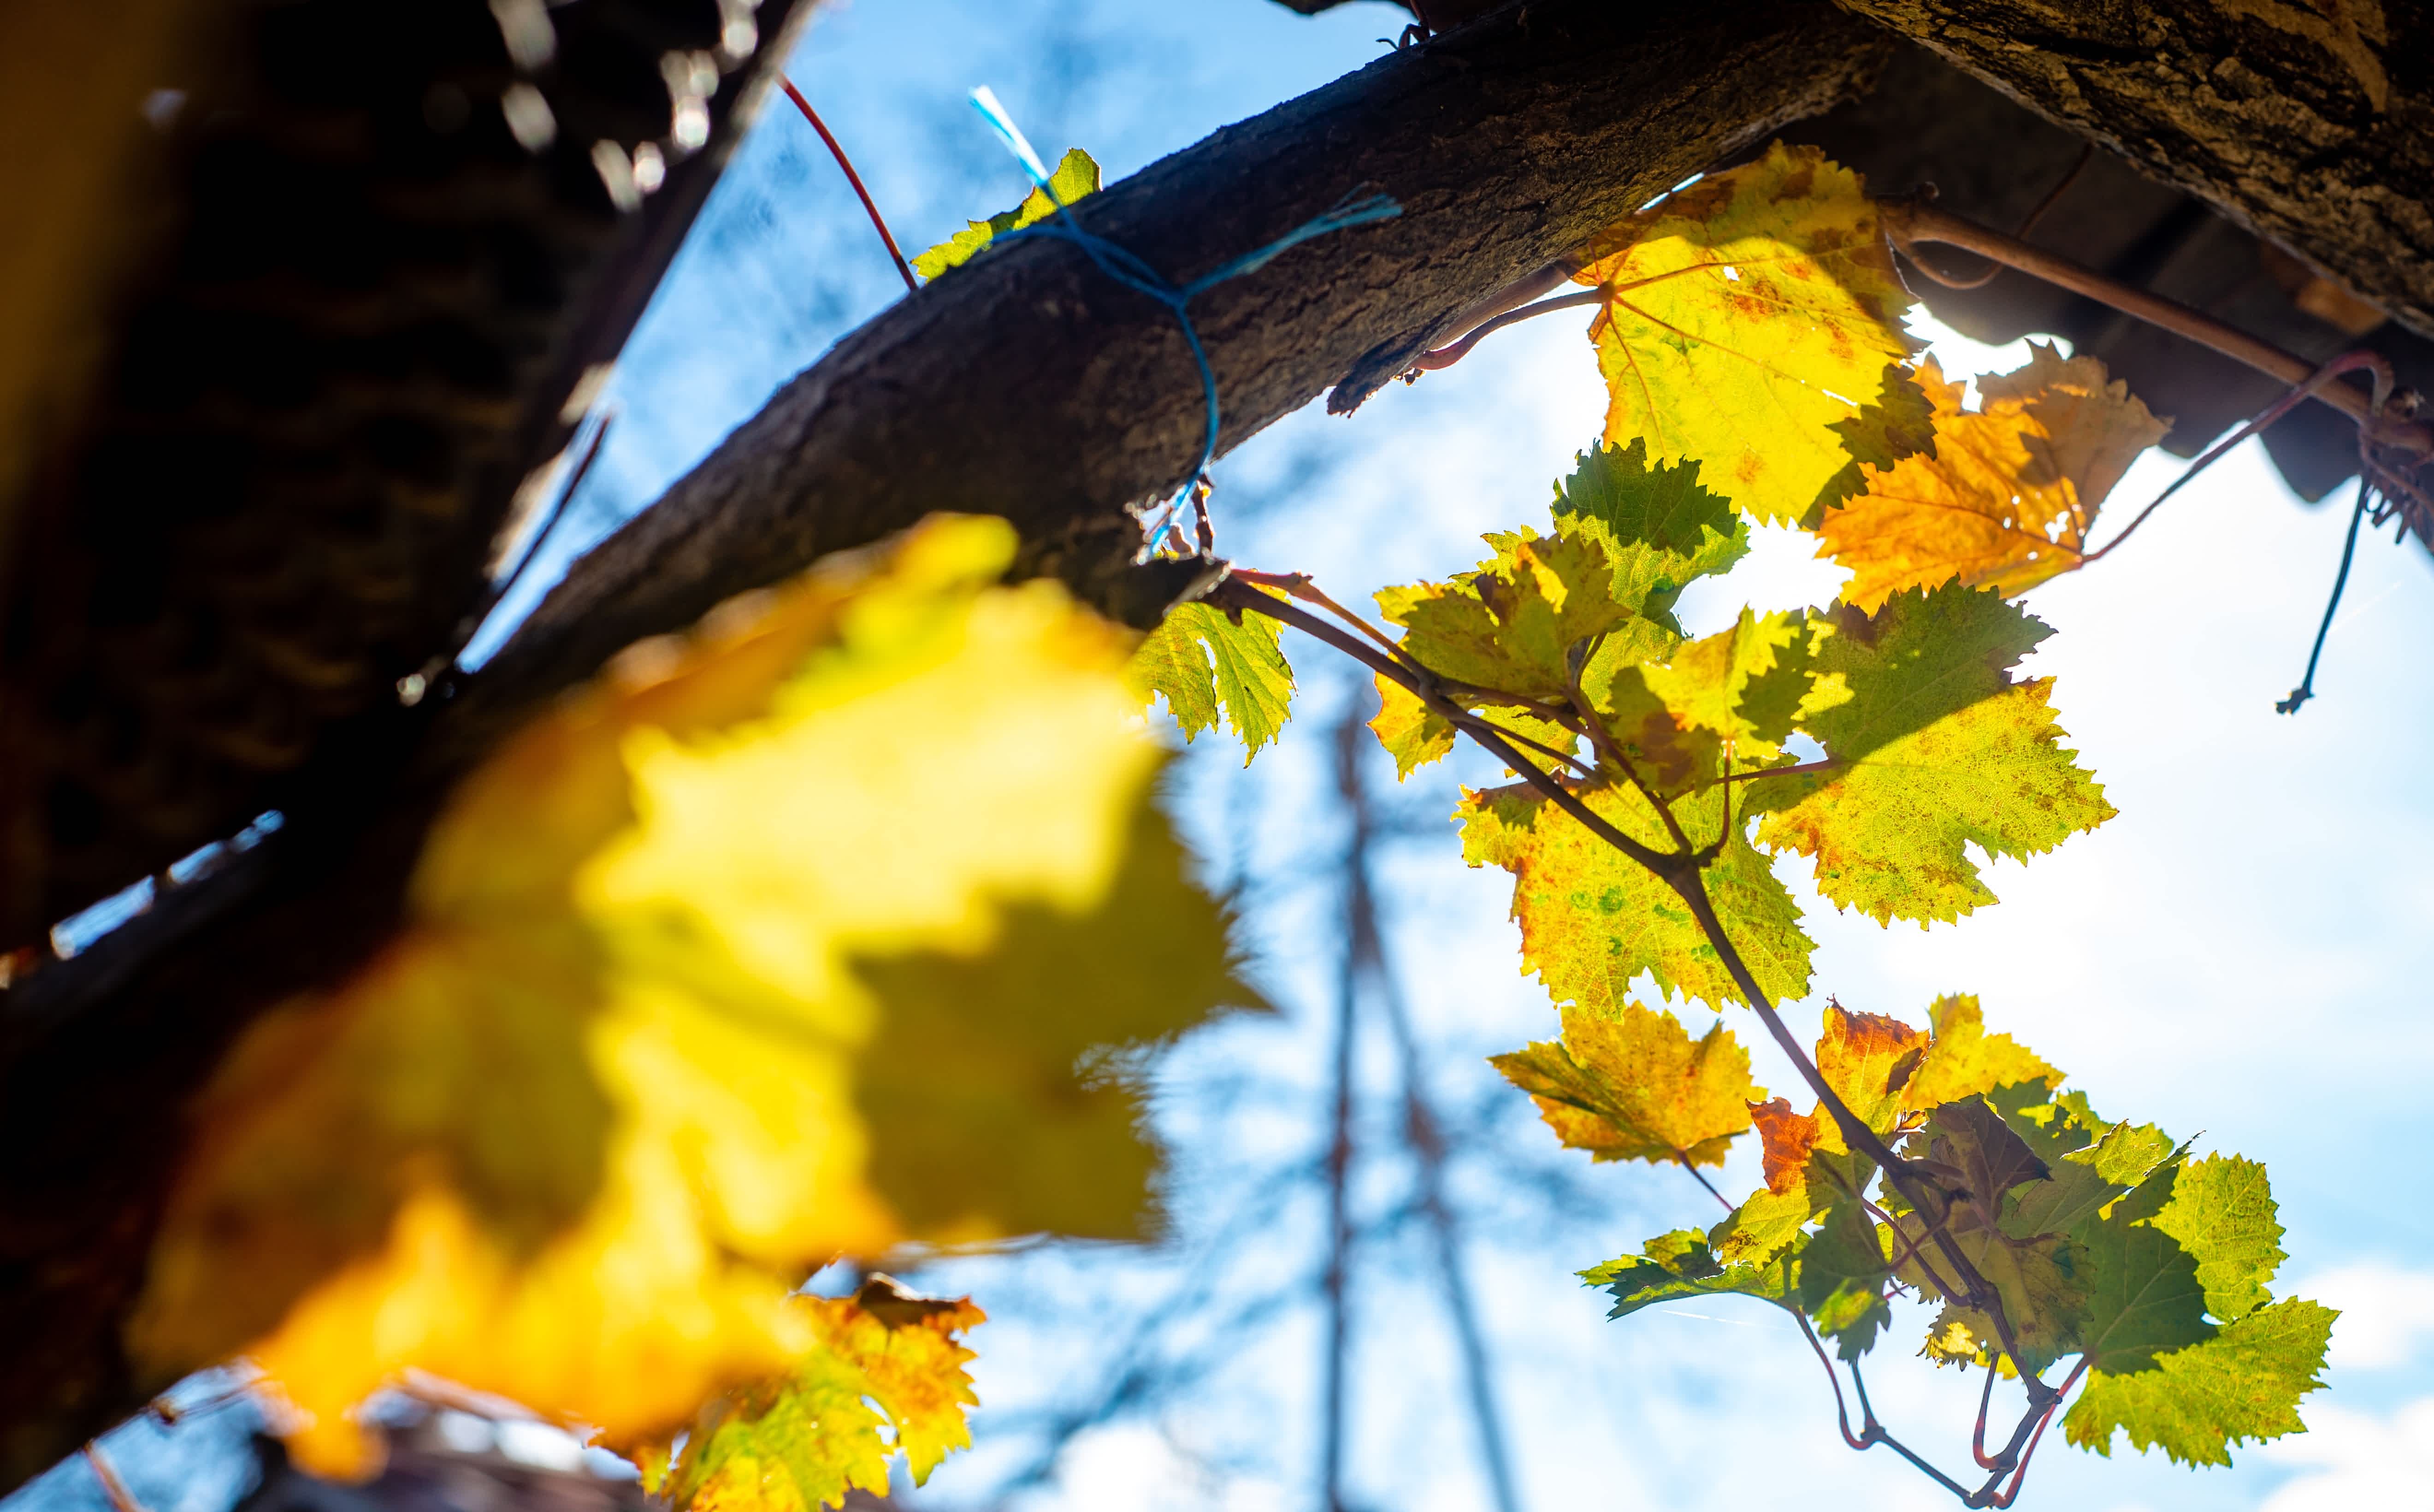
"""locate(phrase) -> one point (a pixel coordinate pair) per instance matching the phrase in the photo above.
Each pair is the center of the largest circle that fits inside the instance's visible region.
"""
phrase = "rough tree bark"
(2311, 123)
(1025, 386)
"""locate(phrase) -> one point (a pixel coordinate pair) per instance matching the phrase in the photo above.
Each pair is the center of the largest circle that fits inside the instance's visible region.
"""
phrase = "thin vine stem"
(870, 206)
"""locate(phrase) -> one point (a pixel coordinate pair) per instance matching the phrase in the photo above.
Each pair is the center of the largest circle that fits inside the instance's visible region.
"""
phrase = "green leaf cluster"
(1750, 334)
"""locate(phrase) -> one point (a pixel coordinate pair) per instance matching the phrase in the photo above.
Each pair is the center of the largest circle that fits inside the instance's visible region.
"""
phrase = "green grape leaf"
(2041, 1277)
(2083, 1180)
(2145, 1298)
(1204, 660)
(1743, 320)
(1759, 1229)
(1842, 1272)
(1636, 1087)
(2242, 1385)
(1679, 1265)
(1660, 529)
(1936, 751)
(1076, 176)
(1510, 625)
(1593, 920)
(2223, 1213)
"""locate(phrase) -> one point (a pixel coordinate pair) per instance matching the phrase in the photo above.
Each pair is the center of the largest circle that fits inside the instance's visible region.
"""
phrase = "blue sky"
(2242, 956)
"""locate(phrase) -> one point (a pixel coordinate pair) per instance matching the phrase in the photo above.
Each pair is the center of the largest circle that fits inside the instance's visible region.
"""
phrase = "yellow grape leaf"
(1076, 176)
(1866, 1057)
(2009, 493)
(1511, 623)
(1593, 920)
(704, 976)
(1730, 696)
(1934, 749)
(1636, 1087)
(803, 1440)
(1964, 1061)
(1414, 735)
(1744, 320)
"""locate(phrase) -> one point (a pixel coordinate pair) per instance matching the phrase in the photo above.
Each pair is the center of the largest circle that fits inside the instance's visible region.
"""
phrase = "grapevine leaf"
(1868, 1058)
(1679, 1265)
(1759, 1229)
(2042, 1279)
(1787, 1138)
(1636, 1087)
(2042, 1283)
(1414, 735)
(1204, 660)
(1689, 714)
(2083, 1180)
(1964, 1061)
(1076, 176)
(2242, 1385)
(803, 1440)
(2223, 1213)
(657, 1038)
(2009, 493)
(1511, 624)
(2145, 1298)
(1900, 424)
(2087, 427)
(1593, 920)
(1744, 319)
(1972, 1137)
(1842, 1272)
(1660, 529)
(1936, 751)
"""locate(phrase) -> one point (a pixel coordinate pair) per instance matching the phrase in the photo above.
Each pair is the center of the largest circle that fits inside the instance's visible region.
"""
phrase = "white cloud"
(2386, 1313)
(2359, 1460)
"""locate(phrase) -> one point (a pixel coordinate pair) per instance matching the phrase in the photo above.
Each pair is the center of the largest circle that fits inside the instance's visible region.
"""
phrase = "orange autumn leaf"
(1789, 1138)
(1866, 1057)
(2010, 492)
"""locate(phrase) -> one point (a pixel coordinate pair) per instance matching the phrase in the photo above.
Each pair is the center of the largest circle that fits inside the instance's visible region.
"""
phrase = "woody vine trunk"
(1025, 387)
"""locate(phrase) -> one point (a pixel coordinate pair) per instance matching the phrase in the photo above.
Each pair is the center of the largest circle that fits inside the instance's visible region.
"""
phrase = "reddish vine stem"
(1909, 221)
(837, 150)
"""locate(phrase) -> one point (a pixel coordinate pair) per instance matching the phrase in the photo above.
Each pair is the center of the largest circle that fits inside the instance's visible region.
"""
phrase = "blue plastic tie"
(1355, 209)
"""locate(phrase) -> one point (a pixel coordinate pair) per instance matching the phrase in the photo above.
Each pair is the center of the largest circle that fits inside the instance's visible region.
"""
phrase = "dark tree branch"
(1024, 386)
(2312, 125)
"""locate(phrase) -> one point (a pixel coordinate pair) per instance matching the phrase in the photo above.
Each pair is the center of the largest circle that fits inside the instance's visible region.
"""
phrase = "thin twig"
(2028, 223)
(2297, 394)
(2306, 688)
(1367, 952)
(837, 150)
(121, 1499)
(548, 522)
(1446, 357)
(1909, 222)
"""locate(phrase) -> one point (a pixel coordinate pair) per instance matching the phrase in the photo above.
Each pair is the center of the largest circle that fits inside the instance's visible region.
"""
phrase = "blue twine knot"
(1354, 209)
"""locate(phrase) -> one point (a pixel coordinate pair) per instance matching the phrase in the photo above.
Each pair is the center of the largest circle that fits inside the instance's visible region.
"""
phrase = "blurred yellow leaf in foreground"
(794, 939)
